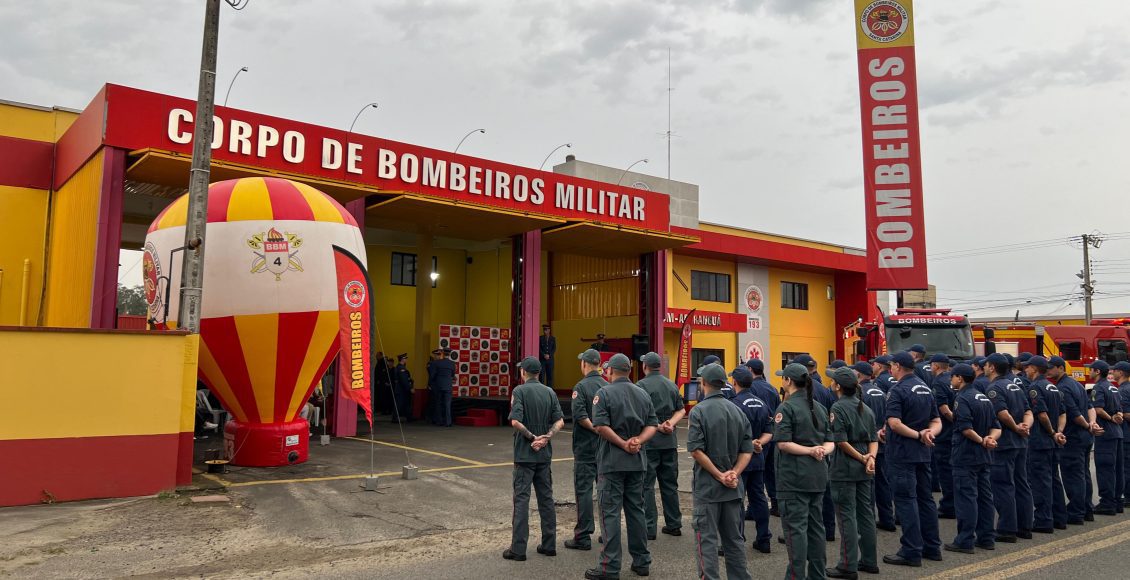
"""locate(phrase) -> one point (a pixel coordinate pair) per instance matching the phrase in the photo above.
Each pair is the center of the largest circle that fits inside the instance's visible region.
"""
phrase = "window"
(1070, 350)
(794, 295)
(710, 286)
(404, 269)
(697, 354)
(787, 357)
(1112, 351)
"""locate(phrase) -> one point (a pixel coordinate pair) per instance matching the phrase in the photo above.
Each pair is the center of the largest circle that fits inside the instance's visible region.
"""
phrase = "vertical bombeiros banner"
(355, 311)
(892, 162)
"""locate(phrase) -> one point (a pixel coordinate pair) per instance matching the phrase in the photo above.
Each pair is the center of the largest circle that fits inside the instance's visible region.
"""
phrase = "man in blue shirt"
(981, 382)
(875, 398)
(881, 370)
(757, 413)
(1011, 491)
(912, 419)
(765, 391)
(1080, 430)
(1108, 447)
(921, 365)
(1047, 436)
(944, 397)
(975, 433)
(1120, 372)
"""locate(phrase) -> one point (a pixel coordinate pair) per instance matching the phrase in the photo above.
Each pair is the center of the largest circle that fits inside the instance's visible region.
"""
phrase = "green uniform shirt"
(666, 400)
(793, 422)
(721, 431)
(535, 406)
(853, 426)
(627, 409)
(585, 441)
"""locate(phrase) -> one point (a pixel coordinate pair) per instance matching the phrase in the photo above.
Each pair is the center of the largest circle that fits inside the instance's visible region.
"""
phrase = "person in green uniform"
(535, 414)
(662, 456)
(585, 441)
(852, 470)
(721, 444)
(625, 420)
(801, 432)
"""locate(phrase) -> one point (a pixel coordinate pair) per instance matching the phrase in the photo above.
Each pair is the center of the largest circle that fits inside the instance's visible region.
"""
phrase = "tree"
(131, 300)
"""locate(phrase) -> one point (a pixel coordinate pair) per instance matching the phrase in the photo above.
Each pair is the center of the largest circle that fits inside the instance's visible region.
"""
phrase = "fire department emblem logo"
(354, 294)
(275, 252)
(151, 274)
(884, 21)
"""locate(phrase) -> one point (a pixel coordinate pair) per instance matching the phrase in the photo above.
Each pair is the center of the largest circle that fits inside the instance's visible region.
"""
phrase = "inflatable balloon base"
(267, 445)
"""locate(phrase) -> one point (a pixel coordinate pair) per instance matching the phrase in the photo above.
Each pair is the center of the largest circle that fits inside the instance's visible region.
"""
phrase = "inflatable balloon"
(269, 322)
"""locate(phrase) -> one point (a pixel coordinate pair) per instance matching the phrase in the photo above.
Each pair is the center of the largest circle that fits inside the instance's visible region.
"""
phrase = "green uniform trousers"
(541, 477)
(719, 523)
(662, 465)
(802, 521)
(584, 475)
(855, 515)
(622, 490)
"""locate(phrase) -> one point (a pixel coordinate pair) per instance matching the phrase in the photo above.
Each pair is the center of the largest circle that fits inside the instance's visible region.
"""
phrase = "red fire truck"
(1105, 339)
(936, 329)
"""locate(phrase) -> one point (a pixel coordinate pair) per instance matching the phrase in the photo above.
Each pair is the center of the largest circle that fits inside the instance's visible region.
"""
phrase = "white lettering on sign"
(754, 323)
(891, 136)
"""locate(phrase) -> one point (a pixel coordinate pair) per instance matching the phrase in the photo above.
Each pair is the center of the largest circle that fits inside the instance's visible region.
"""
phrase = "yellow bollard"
(24, 291)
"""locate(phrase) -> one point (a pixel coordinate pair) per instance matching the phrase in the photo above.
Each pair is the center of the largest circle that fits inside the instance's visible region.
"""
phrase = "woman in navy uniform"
(853, 467)
(975, 433)
(801, 432)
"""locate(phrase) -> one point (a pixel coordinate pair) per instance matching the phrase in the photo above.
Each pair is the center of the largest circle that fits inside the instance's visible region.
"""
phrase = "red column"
(653, 298)
(531, 293)
(345, 411)
(104, 298)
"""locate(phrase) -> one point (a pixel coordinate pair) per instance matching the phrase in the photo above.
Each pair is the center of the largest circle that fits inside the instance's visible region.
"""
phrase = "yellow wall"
(569, 333)
(770, 237)
(488, 287)
(813, 330)
(73, 241)
(34, 123)
(23, 222)
(680, 297)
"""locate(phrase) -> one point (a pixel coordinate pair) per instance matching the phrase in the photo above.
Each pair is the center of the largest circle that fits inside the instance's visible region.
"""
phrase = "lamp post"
(456, 150)
(358, 115)
(629, 169)
(232, 84)
(555, 149)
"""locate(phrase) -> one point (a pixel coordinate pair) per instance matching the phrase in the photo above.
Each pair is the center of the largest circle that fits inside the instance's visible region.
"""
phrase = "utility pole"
(192, 269)
(1088, 288)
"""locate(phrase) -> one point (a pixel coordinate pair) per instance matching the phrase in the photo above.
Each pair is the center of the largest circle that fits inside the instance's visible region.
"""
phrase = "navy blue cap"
(1008, 357)
(805, 360)
(884, 360)
(863, 368)
(1023, 357)
(1122, 366)
(1057, 361)
(1098, 365)
(755, 365)
(711, 360)
(1037, 361)
(836, 364)
(940, 358)
(742, 375)
(903, 359)
(965, 371)
(918, 348)
(996, 359)
(978, 361)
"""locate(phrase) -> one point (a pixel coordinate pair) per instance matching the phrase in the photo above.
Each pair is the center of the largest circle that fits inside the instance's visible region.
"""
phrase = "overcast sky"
(1024, 105)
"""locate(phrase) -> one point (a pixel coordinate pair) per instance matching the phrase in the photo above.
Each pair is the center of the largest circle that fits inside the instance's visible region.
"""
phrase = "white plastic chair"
(219, 416)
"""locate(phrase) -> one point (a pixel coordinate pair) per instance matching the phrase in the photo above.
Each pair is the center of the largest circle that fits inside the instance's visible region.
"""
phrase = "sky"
(1023, 106)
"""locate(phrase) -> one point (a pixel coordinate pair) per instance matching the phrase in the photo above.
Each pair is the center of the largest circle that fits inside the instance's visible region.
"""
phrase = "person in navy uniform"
(762, 389)
(881, 370)
(1047, 437)
(921, 365)
(981, 383)
(1108, 446)
(1120, 373)
(1080, 430)
(600, 345)
(944, 396)
(758, 413)
(824, 396)
(913, 424)
(1011, 491)
(441, 378)
(831, 368)
(875, 398)
(976, 430)
(403, 386)
(547, 349)
(1020, 370)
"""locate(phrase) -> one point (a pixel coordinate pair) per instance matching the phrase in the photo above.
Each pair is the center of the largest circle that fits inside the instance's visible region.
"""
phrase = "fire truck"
(936, 329)
(1104, 339)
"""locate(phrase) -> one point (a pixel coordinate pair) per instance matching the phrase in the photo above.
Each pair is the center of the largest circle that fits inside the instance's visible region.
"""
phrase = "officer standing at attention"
(943, 444)
(585, 442)
(662, 455)
(1020, 370)
(1108, 446)
(913, 423)
(625, 420)
(1080, 431)
(772, 398)
(921, 365)
(824, 396)
(981, 383)
(1047, 437)
(535, 414)
(881, 367)
(441, 375)
(801, 433)
(1120, 372)
(853, 431)
(1011, 491)
(876, 399)
(403, 384)
(975, 434)
(719, 440)
(757, 413)
(547, 348)
(600, 345)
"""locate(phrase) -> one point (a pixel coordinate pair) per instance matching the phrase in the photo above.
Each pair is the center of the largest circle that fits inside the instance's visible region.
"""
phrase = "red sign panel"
(355, 331)
(683, 370)
(892, 166)
(138, 119)
(702, 320)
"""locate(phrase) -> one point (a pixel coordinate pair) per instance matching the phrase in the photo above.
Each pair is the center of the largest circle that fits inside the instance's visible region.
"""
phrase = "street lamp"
(569, 145)
(465, 138)
(232, 84)
(629, 169)
(358, 115)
